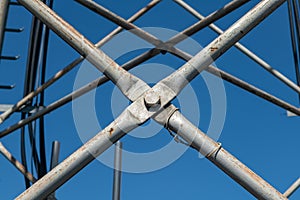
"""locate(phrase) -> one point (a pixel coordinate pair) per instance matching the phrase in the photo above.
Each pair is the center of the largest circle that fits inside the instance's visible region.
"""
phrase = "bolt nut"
(152, 99)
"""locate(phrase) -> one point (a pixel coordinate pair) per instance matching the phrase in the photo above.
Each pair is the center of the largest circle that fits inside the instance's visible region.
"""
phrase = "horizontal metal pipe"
(292, 189)
(8, 87)
(80, 158)
(245, 50)
(14, 30)
(223, 159)
(125, 81)
(16, 163)
(10, 57)
(73, 64)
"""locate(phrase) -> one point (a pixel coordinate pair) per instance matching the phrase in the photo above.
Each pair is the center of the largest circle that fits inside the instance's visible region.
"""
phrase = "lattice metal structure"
(147, 101)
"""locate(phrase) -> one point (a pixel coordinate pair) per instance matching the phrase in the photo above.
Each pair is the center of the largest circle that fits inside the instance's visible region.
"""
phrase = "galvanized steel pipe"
(126, 82)
(70, 66)
(3, 16)
(245, 50)
(16, 163)
(80, 158)
(292, 188)
(223, 159)
(117, 171)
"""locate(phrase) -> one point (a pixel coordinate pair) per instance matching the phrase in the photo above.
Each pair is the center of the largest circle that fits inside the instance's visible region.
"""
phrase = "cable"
(294, 43)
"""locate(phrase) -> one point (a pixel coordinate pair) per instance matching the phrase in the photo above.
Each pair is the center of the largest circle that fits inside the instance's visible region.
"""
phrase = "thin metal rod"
(125, 81)
(10, 57)
(8, 87)
(117, 171)
(222, 159)
(231, 6)
(80, 158)
(3, 18)
(14, 30)
(254, 90)
(246, 51)
(119, 21)
(16, 163)
(131, 19)
(292, 189)
(73, 64)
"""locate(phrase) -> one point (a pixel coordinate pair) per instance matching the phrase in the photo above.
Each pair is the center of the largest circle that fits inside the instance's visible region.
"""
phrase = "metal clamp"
(218, 148)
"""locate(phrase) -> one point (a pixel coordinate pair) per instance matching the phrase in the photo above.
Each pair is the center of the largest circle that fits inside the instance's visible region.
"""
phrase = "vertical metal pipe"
(54, 154)
(3, 16)
(54, 162)
(292, 189)
(223, 159)
(117, 171)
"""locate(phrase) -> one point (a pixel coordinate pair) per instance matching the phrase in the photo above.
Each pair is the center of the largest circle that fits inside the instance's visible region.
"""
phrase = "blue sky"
(255, 131)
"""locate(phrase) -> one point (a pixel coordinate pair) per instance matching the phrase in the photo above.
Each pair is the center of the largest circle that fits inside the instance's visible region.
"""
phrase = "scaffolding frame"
(152, 102)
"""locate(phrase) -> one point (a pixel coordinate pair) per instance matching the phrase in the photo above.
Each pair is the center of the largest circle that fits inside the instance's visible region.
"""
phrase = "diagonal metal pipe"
(245, 50)
(73, 64)
(16, 163)
(137, 113)
(129, 65)
(214, 152)
(292, 188)
(126, 82)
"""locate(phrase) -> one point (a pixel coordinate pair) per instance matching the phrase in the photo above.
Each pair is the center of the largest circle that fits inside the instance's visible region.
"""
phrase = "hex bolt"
(152, 99)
